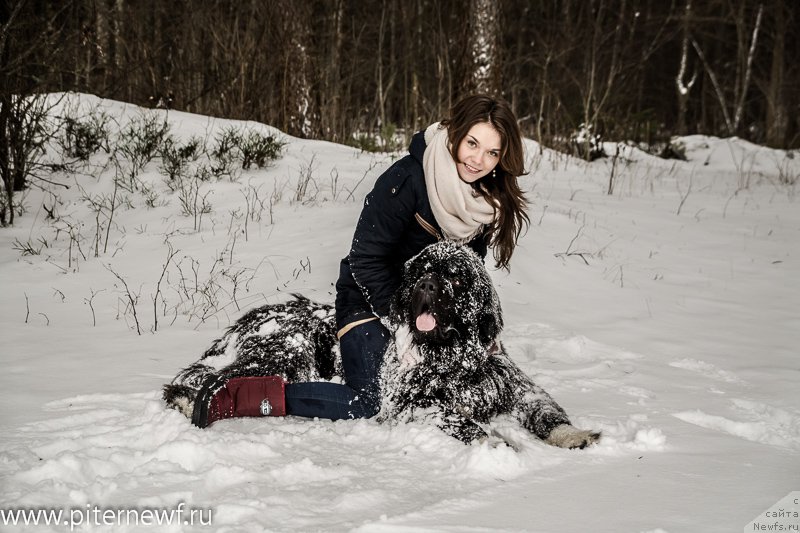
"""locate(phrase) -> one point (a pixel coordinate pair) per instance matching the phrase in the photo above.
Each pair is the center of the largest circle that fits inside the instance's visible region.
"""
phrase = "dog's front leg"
(541, 415)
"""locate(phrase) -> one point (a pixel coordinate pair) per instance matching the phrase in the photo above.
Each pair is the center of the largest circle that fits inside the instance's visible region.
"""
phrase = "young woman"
(458, 182)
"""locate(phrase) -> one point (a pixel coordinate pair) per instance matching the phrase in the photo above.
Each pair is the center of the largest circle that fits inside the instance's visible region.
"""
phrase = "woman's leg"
(362, 351)
(324, 400)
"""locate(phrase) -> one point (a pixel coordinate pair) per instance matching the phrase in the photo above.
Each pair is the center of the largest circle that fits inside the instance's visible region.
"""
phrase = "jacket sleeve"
(387, 211)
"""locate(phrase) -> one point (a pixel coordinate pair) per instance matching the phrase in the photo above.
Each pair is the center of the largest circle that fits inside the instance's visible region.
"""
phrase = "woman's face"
(479, 152)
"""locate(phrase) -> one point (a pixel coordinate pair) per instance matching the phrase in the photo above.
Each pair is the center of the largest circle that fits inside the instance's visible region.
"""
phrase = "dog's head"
(446, 297)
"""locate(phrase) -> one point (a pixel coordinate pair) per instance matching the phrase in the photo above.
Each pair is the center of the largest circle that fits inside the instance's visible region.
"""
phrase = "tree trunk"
(6, 205)
(748, 69)
(331, 99)
(297, 105)
(381, 96)
(683, 87)
(777, 119)
(482, 45)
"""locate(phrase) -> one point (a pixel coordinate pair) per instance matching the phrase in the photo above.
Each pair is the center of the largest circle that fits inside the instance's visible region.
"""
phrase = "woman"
(459, 182)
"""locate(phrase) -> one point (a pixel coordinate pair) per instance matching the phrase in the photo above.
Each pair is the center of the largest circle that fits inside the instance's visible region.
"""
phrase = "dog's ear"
(401, 300)
(490, 320)
(489, 327)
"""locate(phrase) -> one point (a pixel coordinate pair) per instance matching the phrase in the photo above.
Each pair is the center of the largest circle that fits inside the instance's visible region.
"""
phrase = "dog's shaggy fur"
(445, 363)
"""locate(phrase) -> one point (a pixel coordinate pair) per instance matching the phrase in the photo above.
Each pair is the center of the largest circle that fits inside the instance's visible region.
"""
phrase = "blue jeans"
(362, 351)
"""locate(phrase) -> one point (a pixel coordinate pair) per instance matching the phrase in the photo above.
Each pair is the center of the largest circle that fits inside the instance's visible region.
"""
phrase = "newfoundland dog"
(445, 364)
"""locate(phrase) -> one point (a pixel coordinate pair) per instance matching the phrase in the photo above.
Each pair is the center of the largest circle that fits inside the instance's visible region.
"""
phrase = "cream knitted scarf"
(459, 209)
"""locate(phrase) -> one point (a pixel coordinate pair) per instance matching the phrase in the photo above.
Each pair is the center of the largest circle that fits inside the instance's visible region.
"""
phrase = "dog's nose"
(428, 285)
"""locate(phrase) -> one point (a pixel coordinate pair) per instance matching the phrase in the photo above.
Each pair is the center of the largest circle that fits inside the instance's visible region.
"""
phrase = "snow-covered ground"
(666, 314)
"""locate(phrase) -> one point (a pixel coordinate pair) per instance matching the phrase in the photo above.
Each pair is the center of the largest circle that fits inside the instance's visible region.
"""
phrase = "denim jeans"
(362, 351)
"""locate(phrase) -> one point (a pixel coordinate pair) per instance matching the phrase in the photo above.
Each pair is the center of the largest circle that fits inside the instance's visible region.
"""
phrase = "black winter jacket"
(395, 225)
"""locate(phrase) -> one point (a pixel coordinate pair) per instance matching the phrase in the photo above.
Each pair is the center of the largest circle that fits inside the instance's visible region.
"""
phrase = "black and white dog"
(445, 364)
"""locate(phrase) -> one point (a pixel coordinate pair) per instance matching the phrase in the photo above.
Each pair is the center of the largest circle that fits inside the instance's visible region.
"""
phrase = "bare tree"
(331, 68)
(746, 62)
(482, 46)
(384, 82)
(298, 109)
(603, 68)
(777, 119)
(681, 84)
(24, 110)
(331, 93)
(745, 52)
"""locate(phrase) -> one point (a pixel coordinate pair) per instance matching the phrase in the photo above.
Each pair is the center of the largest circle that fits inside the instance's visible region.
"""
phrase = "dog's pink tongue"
(426, 322)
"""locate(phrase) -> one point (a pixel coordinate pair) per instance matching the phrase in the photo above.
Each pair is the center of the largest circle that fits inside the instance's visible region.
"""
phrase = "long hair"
(501, 188)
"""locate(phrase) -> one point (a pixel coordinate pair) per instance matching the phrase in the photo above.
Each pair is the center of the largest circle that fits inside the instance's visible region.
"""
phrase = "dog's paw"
(567, 436)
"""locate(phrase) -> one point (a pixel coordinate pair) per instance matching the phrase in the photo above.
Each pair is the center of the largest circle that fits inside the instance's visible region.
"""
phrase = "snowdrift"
(665, 314)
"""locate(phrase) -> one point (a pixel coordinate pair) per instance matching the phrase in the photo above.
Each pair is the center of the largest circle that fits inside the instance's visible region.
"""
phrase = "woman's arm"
(387, 211)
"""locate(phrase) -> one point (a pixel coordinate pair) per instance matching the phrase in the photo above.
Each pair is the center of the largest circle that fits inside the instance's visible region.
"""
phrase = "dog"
(445, 364)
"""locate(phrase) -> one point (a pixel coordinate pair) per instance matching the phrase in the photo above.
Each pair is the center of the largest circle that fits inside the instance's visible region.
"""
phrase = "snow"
(677, 340)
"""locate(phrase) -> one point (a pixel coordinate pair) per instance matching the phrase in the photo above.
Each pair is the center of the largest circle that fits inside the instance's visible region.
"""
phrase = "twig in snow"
(352, 191)
(170, 254)
(569, 251)
(544, 210)
(130, 297)
(685, 196)
(91, 306)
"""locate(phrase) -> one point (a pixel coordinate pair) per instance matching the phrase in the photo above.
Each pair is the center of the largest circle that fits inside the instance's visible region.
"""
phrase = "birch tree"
(603, 67)
(482, 44)
(681, 84)
(745, 52)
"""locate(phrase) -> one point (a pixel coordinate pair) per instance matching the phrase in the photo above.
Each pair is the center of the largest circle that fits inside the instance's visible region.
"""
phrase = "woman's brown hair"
(499, 188)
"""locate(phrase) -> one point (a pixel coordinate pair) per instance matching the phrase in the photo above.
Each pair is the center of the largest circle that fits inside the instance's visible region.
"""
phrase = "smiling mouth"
(471, 169)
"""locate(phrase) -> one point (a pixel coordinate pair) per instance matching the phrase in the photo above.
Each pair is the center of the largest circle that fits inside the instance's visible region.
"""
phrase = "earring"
(494, 172)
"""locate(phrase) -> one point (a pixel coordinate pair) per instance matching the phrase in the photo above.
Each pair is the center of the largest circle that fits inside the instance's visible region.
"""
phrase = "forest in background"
(631, 70)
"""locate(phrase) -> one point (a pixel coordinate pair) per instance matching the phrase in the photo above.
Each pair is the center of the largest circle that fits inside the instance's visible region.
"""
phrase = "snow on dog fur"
(445, 365)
